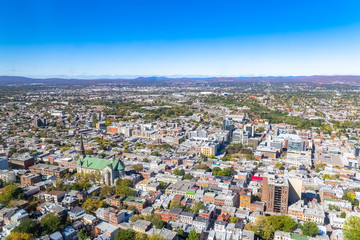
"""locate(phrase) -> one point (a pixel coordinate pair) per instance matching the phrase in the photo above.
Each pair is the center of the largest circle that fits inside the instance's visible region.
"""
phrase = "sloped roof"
(101, 163)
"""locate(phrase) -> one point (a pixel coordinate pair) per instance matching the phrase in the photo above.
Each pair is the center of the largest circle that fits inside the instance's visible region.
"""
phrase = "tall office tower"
(228, 124)
(357, 150)
(237, 136)
(296, 144)
(250, 128)
(275, 194)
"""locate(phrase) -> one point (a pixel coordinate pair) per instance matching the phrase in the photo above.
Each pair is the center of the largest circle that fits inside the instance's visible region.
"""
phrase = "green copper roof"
(296, 236)
(100, 163)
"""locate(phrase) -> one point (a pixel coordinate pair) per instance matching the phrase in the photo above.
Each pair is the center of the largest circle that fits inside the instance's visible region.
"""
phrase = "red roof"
(256, 178)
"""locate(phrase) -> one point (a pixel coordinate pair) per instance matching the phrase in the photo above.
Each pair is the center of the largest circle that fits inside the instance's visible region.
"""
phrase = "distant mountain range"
(349, 79)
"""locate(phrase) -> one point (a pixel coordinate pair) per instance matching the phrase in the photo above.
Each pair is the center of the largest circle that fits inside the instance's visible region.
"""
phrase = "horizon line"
(175, 76)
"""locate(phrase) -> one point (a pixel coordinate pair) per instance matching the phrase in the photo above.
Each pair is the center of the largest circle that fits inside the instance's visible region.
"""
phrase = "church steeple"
(82, 149)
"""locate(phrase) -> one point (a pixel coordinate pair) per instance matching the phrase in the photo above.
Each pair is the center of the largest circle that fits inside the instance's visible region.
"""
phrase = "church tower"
(82, 149)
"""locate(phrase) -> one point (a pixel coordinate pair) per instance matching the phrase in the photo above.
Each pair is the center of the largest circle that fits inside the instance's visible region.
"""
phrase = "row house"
(201, 223)
(232, 200)
(165, 216)
(209, 197)
(187, 217)
(142, 226)
(174, 214)
(257, 206)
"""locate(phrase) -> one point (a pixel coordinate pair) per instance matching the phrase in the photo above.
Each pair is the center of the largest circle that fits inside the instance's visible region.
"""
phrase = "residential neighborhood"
(120, 161)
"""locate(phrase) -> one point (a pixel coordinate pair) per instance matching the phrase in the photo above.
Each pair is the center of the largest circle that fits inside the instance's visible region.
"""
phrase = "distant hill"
(8, 80)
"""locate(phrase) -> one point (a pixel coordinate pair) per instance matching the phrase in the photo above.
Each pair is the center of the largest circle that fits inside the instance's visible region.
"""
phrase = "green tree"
(162, 185)
(343, 215)
(193, 235)
(82, 234)
(124, 234)
(229, 171)
(9, 192)
(19, 236)
(106, 191)
(215, 170)
(279, 165)
(157, 237)
(91, 205)
(89, 152)
(233, 219)
(188, 176)
(351, 229)
(156, 220)
(179, 172)
(351, 195)
(265, 226)
(260, 129)
(28, 226)
(136, 217)
(309, 229)
(141, 236)
(50, 223)
(123, 186)
(175, 204)
(180, 233)
(138, 167)
(197, 206)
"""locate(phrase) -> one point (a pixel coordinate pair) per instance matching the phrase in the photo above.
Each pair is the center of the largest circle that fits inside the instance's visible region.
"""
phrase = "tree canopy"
(157, 237)
(91, 205)
(351, 228)
(193, 235)
(124, 234)
(309, 229)
(265, 226)
(50, 223)
(29, 226)
(176, 204)
(123, 187)
(9, 192)
(226, 172)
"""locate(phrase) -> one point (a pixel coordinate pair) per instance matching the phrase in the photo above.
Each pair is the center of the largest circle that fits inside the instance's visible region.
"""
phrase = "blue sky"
(41, 38)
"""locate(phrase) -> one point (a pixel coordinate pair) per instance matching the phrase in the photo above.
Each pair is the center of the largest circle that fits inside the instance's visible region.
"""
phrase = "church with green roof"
(110, 169)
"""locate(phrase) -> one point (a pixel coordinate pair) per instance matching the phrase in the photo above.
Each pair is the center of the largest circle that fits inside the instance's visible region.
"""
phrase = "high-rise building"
(240, 136)
(250, 128)
(296, 145)
(295, 188)
(357, 150)
(39, 122)
(275, 194)
(228, 124)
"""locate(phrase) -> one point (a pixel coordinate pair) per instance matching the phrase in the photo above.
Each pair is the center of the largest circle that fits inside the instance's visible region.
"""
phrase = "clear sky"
(179, 37)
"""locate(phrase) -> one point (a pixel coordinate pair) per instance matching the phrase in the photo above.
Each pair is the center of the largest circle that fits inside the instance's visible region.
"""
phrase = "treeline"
(163, 113)
(280, 117)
